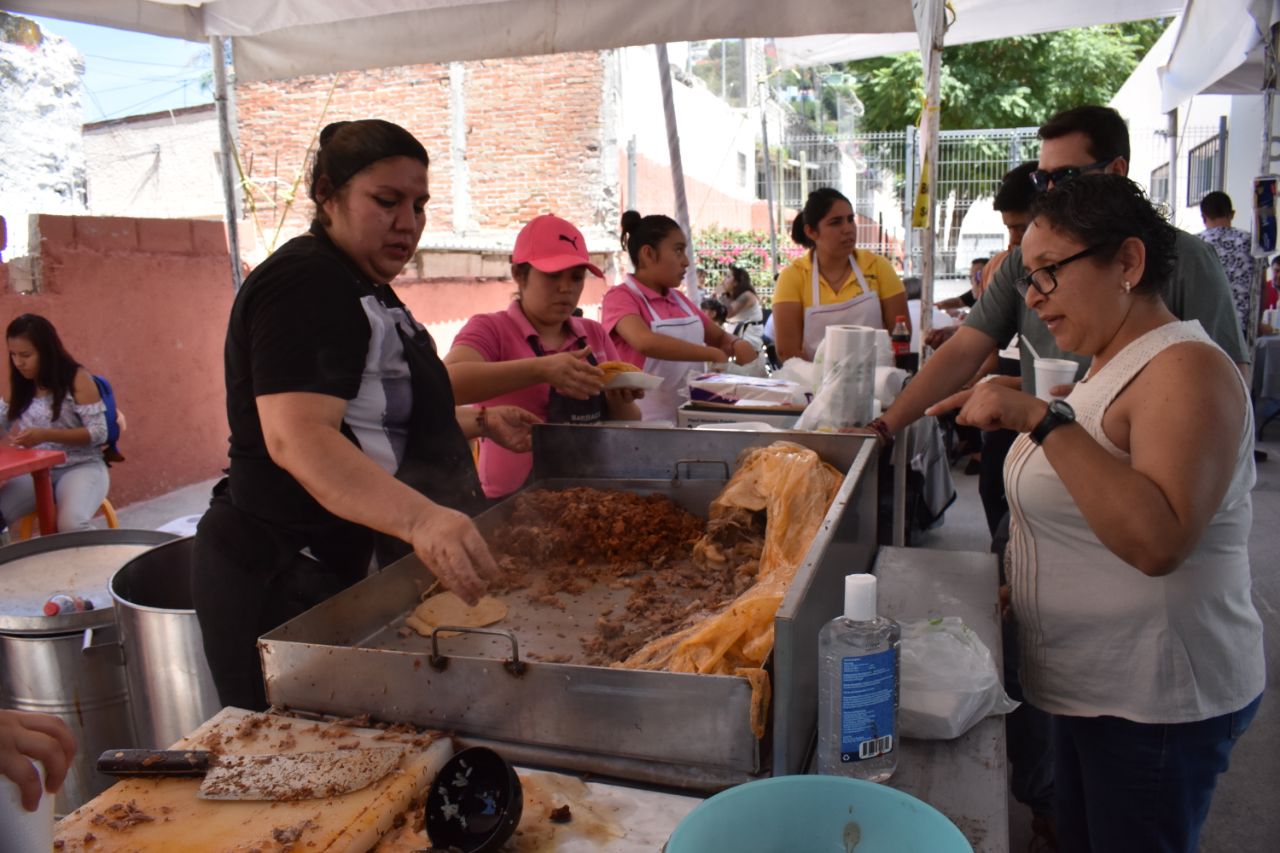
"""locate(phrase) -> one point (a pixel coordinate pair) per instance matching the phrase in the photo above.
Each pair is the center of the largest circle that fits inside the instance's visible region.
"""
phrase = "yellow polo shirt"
(795, 282)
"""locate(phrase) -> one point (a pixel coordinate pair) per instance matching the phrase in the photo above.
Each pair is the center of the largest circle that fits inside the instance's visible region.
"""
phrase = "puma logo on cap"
(572, 241)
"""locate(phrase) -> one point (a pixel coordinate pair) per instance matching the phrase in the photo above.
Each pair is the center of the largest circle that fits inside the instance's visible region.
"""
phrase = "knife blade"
(275, 777)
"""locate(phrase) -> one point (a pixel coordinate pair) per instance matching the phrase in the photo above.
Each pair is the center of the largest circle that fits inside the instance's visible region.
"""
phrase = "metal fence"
(879, 173)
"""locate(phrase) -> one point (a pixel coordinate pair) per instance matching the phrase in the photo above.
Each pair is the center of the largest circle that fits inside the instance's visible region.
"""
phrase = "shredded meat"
(678, 568)
(121, 816)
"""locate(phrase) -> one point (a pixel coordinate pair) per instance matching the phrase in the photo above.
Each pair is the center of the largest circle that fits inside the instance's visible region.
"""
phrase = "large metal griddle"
(353, 655)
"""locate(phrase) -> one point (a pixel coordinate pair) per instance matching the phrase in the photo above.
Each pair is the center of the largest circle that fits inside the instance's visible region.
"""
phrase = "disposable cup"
(1051, 372)
(19, 828)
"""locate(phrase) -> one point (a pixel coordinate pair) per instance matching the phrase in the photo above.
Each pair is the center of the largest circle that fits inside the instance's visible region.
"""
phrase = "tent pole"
(768, 184)
(230, 184)
(677, 170)
(1270, 78)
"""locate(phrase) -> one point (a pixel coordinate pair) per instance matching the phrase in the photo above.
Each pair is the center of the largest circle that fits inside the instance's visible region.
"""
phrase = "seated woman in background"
(53, 404)
(740, 299)
(834, 283)
(1128, 544)
(536, 354)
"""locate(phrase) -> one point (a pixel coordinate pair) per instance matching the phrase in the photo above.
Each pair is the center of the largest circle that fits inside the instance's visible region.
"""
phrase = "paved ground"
(1244, 817)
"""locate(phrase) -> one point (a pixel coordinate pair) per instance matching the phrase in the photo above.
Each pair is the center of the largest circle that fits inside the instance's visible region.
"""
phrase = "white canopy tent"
(1229, 47)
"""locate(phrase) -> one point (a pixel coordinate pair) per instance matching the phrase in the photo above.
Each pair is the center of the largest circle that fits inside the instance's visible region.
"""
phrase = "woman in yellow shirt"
(805, 303)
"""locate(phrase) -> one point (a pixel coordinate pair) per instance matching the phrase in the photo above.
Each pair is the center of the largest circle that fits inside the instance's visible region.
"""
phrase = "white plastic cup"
(19, 828)
(1051, 372)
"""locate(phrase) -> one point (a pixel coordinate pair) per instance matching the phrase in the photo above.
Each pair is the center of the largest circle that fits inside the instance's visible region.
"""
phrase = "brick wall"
(531, 131)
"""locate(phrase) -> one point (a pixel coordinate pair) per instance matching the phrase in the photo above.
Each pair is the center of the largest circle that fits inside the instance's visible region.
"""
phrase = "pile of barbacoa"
(678, 567)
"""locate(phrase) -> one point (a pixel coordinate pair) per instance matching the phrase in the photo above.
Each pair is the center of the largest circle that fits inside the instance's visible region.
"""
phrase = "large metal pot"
(69, 665)
(170, 688)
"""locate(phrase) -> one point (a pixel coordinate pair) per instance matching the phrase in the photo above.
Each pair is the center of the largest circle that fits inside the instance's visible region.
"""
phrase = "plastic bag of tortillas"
(948, 680)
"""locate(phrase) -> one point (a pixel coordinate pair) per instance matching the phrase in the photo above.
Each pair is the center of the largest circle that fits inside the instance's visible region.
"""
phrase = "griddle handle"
(515, 666)
(690, 462)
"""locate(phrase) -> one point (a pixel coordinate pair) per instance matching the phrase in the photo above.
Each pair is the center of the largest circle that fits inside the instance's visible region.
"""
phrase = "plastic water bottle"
(858, 659)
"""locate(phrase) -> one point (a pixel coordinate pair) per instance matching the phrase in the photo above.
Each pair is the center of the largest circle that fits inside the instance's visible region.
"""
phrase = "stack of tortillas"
(447, 609)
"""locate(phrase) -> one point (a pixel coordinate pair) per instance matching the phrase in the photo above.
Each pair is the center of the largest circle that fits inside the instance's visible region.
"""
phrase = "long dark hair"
(816, 206)
(57, 368)
(639, 231)
(741, 282)
(348, 147)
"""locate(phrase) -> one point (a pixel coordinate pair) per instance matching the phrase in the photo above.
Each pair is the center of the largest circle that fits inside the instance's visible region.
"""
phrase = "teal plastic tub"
(816, 814)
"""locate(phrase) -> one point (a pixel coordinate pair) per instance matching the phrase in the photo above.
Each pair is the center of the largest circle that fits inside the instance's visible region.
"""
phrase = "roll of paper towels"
(884, 349)
(850, 367)
(889, 382)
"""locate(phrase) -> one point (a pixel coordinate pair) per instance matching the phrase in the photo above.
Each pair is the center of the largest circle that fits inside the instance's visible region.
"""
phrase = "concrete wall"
(718, 144)
(143, 302)
(158, 165)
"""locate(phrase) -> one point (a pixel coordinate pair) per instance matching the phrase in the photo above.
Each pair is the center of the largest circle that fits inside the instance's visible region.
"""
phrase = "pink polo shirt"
(620, 300)
(504, 336)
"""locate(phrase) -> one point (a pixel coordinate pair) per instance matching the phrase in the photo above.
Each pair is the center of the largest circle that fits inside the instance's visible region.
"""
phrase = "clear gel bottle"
(858, 688)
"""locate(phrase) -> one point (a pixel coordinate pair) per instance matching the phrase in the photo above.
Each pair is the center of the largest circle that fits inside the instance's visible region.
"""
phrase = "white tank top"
(1097, 636)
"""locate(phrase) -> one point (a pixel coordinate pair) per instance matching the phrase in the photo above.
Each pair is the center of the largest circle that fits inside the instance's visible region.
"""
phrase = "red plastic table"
(15, 461)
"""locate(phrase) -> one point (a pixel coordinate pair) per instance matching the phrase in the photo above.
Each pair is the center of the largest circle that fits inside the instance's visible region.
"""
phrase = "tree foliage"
(1016, 82)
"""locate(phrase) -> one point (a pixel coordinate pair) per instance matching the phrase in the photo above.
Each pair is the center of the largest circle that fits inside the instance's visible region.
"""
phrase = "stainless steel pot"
(170, 688)
(69, 665)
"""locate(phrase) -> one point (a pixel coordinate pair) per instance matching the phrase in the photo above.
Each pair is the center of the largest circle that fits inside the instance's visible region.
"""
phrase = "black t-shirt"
(307, 320)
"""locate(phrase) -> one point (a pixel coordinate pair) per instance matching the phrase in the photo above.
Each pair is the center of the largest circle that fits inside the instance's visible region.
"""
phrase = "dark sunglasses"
(1042, 180)
(1045, 279)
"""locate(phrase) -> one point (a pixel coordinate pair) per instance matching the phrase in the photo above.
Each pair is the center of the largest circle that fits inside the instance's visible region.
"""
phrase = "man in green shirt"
(1079, 140)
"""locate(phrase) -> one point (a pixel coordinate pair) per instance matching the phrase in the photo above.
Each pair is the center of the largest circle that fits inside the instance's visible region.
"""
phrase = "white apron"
(661, 403)
(861, 310)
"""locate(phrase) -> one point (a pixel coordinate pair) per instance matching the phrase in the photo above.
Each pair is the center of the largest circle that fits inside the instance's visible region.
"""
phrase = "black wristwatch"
(1060, 412)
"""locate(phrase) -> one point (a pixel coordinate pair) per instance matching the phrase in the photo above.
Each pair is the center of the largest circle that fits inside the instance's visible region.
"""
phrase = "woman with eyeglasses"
(1130, 506)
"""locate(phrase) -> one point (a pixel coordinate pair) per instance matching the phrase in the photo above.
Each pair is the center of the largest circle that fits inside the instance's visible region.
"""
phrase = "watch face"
(1062, 409)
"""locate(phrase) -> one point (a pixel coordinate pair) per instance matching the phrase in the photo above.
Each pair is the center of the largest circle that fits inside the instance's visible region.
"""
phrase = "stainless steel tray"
(348, 655)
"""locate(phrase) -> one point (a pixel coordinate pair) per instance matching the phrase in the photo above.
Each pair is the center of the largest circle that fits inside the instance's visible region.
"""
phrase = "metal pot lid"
(75, 564)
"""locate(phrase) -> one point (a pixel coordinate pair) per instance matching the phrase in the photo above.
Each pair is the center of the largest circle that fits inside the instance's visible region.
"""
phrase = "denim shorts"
(1138, 787)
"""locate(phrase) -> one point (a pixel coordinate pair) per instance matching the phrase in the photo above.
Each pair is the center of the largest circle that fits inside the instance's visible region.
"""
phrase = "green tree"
(1017, 82)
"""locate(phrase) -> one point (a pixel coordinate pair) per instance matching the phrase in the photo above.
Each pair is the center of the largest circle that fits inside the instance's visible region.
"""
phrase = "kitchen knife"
(277, 777)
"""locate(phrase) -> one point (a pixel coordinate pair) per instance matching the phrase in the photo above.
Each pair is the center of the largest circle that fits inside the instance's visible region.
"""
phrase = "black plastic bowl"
(475, 802)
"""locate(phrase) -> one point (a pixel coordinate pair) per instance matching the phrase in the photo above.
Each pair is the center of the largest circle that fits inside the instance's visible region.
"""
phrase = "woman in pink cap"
(536, 354)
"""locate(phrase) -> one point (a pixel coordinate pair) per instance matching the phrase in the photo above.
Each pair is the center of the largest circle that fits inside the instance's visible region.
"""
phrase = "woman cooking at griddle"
(343, 423)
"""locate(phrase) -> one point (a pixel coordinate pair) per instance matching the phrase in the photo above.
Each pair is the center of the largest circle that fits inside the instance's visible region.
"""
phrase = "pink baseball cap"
(551, 244)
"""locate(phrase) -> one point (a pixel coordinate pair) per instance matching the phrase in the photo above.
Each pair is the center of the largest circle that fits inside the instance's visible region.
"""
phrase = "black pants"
(248, 577)
(995, 447)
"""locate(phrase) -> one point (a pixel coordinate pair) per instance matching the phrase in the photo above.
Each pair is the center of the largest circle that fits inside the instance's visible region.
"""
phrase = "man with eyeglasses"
(1077, 141)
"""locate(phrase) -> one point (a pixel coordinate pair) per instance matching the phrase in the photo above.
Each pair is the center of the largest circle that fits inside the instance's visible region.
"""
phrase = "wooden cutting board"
(166, 815)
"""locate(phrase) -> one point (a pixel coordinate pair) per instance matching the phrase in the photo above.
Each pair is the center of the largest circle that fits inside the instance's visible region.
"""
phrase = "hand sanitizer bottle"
(858, 688)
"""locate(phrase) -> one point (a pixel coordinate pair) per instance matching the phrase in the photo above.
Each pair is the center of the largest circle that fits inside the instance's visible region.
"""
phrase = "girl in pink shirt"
(656, 327)
(536, 354)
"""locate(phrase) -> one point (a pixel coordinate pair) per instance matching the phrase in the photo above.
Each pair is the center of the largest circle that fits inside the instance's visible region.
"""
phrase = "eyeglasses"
(1045, 279)
(1042, 180)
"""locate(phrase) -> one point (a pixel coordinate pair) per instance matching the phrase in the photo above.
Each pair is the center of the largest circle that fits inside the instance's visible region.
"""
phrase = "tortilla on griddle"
(447, 609)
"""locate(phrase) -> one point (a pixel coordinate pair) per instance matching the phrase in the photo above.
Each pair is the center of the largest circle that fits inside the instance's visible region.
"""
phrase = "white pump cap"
(860, 597)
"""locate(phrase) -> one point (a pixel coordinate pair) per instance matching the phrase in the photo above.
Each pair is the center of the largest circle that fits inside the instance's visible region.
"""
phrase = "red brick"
(165, 235)
(58, 231)
(105, 233)
(208, 238)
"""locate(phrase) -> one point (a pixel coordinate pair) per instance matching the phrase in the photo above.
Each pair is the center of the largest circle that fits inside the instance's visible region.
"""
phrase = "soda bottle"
(900, 338)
